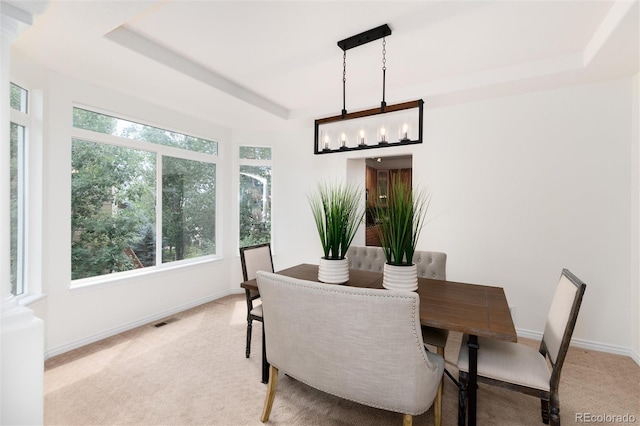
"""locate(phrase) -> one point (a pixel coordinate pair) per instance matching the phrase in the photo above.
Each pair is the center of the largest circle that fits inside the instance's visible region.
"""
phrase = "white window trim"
(24, 120)
(33, 196)
(119, 278)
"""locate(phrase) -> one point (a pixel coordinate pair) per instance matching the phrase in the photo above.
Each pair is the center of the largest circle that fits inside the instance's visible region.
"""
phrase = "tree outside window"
(255, 195)
(17, 169)
(112, 209)
(188, 209)
(115, 193)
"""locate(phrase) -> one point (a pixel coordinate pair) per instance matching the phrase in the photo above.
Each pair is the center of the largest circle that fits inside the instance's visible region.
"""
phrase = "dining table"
(472, 309)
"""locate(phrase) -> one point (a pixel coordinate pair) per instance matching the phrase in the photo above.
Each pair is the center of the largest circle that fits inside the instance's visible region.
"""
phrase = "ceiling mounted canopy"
(386, 126)
(365, 37)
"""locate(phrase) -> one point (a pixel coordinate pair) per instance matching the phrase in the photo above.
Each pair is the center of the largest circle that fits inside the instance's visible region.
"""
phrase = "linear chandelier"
(380, 127)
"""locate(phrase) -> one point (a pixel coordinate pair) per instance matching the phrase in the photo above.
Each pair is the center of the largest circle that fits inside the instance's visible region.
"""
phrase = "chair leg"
(271, 393)
(249, 328)
(407, 420)
(265, 363)
(437, 406)
(544, 408)
(462, 398)
(554, 410)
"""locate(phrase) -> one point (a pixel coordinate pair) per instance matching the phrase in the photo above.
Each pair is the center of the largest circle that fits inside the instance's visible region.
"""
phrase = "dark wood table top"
(468, 308)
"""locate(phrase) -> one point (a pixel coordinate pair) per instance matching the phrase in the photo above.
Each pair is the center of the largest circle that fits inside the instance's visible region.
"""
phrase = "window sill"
(122, 278)
(27, 300)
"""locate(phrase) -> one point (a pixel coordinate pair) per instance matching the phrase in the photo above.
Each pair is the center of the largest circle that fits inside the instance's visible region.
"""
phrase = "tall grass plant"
(401, 220)
(338, 211)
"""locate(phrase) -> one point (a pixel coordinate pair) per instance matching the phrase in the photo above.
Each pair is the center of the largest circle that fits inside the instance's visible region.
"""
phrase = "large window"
(188, 208)
(255, 195)
(17, 141)
(141, 196)
(112, 209)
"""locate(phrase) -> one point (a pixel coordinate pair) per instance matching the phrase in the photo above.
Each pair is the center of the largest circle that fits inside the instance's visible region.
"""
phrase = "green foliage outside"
(254, 153)
(255, 204)
(114, 201)
(90, 120)
(17, 101)
(14, 206)
(113, 198)
(188, 208)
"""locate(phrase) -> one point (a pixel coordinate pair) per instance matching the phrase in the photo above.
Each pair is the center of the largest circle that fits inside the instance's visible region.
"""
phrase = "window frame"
(253, 162)
(160, 151)
(23, 119)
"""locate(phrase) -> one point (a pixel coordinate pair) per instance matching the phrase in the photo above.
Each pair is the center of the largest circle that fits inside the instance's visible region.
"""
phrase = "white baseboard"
(528, 334)
(112, 332)
(586, 344)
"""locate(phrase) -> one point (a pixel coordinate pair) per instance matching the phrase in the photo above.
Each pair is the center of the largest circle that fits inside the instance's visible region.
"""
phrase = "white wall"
(525, 186)
(522, 187)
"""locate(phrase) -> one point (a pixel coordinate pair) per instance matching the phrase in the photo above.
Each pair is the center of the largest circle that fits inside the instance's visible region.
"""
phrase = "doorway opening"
(379, 173)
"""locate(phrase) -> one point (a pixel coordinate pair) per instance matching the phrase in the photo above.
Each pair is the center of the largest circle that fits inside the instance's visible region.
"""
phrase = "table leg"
(265, 363)
(462, 399)
(472, 389)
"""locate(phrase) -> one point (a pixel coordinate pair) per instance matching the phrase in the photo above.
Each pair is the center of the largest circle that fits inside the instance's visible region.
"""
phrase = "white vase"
(400, 277)
(333, 271)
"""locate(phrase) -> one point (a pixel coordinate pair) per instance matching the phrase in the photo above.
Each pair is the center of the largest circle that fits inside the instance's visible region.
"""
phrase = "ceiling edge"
(134, 41)
(608, 26)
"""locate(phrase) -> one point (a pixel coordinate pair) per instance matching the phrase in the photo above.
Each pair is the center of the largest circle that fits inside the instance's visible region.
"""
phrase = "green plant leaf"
(401, 221)
(338, 212)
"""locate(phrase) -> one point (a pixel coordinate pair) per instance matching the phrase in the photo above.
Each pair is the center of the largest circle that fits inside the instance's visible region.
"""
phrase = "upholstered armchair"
(361, 344)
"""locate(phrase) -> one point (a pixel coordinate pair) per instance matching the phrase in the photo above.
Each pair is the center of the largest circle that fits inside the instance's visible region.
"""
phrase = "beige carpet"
(193, 371)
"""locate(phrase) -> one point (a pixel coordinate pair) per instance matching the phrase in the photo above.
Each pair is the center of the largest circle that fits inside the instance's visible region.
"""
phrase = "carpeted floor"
(192, 371)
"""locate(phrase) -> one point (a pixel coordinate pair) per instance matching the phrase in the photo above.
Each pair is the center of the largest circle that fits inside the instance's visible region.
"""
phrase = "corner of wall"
(635, 218)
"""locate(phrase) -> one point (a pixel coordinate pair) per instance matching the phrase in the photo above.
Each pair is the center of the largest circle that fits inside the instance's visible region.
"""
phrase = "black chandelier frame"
(382, 141)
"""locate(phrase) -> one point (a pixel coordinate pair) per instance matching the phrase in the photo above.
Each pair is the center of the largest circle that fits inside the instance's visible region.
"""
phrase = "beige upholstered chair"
(369, 258)
(430, 264)
(433, 264)
(523, 369)
(360, 344)
(253, 259)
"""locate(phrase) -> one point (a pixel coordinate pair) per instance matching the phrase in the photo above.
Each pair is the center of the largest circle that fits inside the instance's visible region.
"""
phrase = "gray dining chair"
(253, 259)
(524, 369)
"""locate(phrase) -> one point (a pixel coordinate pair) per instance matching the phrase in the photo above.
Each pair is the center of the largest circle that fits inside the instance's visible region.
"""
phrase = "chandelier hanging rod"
(358, 40)
(364, 37)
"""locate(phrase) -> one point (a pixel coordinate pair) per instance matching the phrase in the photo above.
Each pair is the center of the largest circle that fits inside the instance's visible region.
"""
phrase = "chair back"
(255, 258)
(366, 258)
(431, 264)
(360, 344)
(562, 318)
